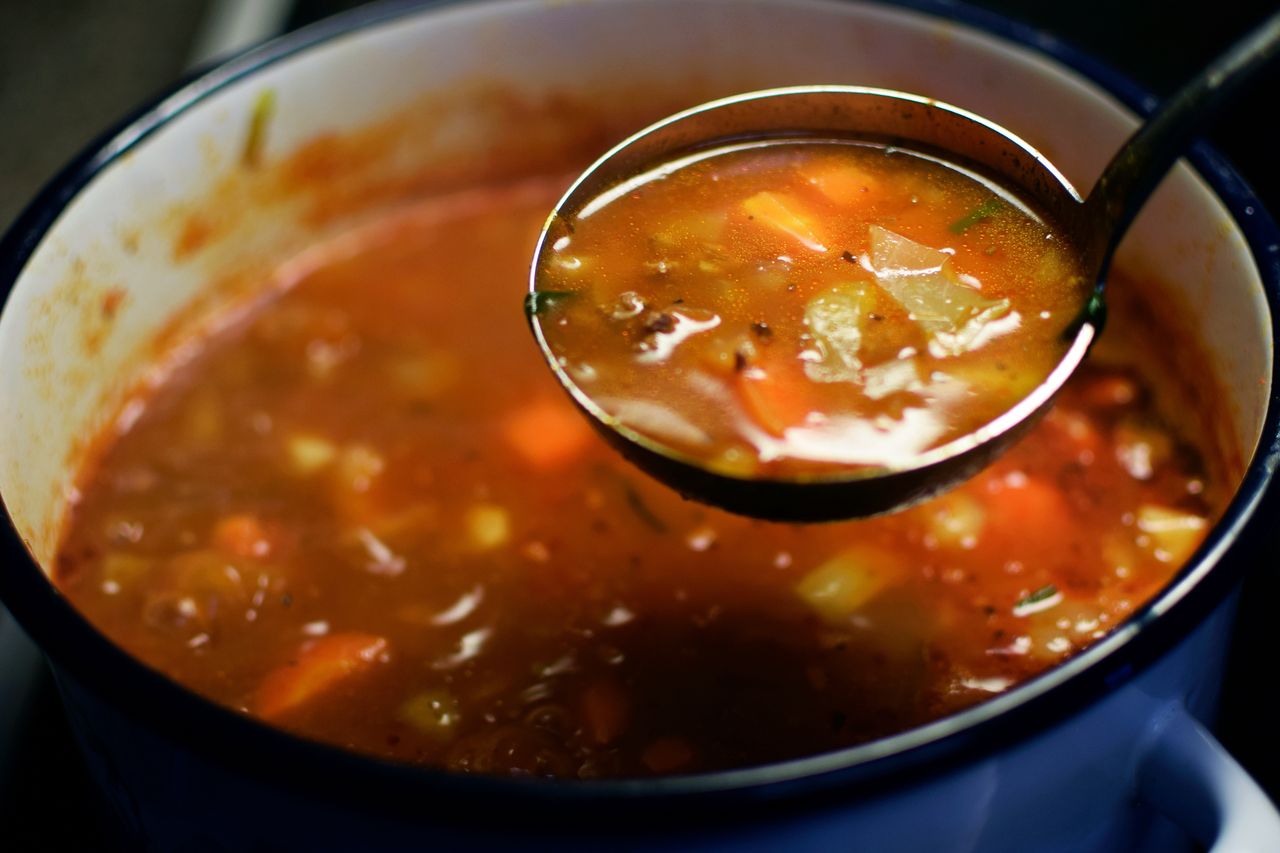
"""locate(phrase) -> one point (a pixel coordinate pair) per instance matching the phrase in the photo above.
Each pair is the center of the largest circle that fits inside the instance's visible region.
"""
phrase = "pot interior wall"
(199, 211)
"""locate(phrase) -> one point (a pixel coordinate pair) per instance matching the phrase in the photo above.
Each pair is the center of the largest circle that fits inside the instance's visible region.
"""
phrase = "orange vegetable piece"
(1017, 504)
(776, 395)
(606, 711)
(783, 213)
(1110, 390)
(241, 535)
(547, 433)
(844, 183)
(321, 664)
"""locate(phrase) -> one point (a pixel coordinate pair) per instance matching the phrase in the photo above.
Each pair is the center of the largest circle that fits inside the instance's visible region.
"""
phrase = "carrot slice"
(547, 434)
(776, 395)
(320, 665)
(1018, 503)
(785, 214)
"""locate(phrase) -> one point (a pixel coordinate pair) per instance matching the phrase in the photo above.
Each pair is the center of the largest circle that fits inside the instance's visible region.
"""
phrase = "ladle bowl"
(889, 118)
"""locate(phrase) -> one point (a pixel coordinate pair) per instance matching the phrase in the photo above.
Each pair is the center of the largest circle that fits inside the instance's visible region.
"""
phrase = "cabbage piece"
(835, 324)
(848, 581)
(892, 377)
(957, 317)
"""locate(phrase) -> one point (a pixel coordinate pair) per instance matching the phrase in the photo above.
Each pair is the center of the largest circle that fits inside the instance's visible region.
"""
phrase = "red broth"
(800, 307)
(366, 513)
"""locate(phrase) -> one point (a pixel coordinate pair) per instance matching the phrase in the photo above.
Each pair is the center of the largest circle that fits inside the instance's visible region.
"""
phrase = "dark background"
(69, 68)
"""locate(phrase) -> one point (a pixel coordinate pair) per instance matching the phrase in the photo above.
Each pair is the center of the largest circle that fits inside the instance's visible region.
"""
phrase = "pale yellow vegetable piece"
(844, 584)
(1173, 534)
(783, 213)
(488, 526)
(697, 229)
(432, 712)
(956, 520)
(309, 453)
(834, 319)
(1141, 449)
(121, 568)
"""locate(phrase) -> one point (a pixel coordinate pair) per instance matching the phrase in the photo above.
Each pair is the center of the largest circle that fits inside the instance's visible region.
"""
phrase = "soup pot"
(180, 207)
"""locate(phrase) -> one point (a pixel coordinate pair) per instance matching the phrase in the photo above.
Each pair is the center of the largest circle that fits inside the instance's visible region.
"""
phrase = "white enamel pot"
(1102, 753)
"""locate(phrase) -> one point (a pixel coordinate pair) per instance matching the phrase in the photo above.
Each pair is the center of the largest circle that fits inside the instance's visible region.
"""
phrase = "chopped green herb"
(264, 107)
(984, 211)
(1042, 599)
(539, 302)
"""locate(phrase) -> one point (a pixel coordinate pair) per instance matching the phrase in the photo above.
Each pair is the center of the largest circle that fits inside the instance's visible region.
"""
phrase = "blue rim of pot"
(331, 775)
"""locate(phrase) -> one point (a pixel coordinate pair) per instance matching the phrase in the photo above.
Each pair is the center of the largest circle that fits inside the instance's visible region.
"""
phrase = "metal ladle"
(1093, 225)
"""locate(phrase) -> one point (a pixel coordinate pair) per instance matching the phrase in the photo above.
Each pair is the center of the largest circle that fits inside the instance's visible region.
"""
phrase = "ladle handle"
(1141, 163)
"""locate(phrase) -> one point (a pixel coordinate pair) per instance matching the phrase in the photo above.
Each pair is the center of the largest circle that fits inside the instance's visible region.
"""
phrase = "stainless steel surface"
(873, 115)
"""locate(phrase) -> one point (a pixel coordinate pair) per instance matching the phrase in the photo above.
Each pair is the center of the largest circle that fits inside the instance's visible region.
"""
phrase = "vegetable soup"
(792, 308)
(366, 513)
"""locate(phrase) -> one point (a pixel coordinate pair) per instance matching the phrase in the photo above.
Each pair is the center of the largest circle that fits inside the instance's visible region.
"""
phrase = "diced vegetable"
(1120, 555)
(1110, 390)
(728, 352)
(606, 711)
(264, 107)
(123, 568)
(1141, 449)
(1006, 380)
(320, 666)
(892, 377)
(844, 584)
(1042, 599)
(695, 231)
(834, 321)
(310, 453)
(955, 520)
(981, 213)
(784, 213)
(1017, 504)
(1173, 535)
(488, 526)
(547, 433)
(241, 535)
(776, 395)
(844, 183)
(1076, 426)
(433, 712)
(921, 279)
(194, 590)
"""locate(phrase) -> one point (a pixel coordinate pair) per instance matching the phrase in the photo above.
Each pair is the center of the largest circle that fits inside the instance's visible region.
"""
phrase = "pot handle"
(1187, 775)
